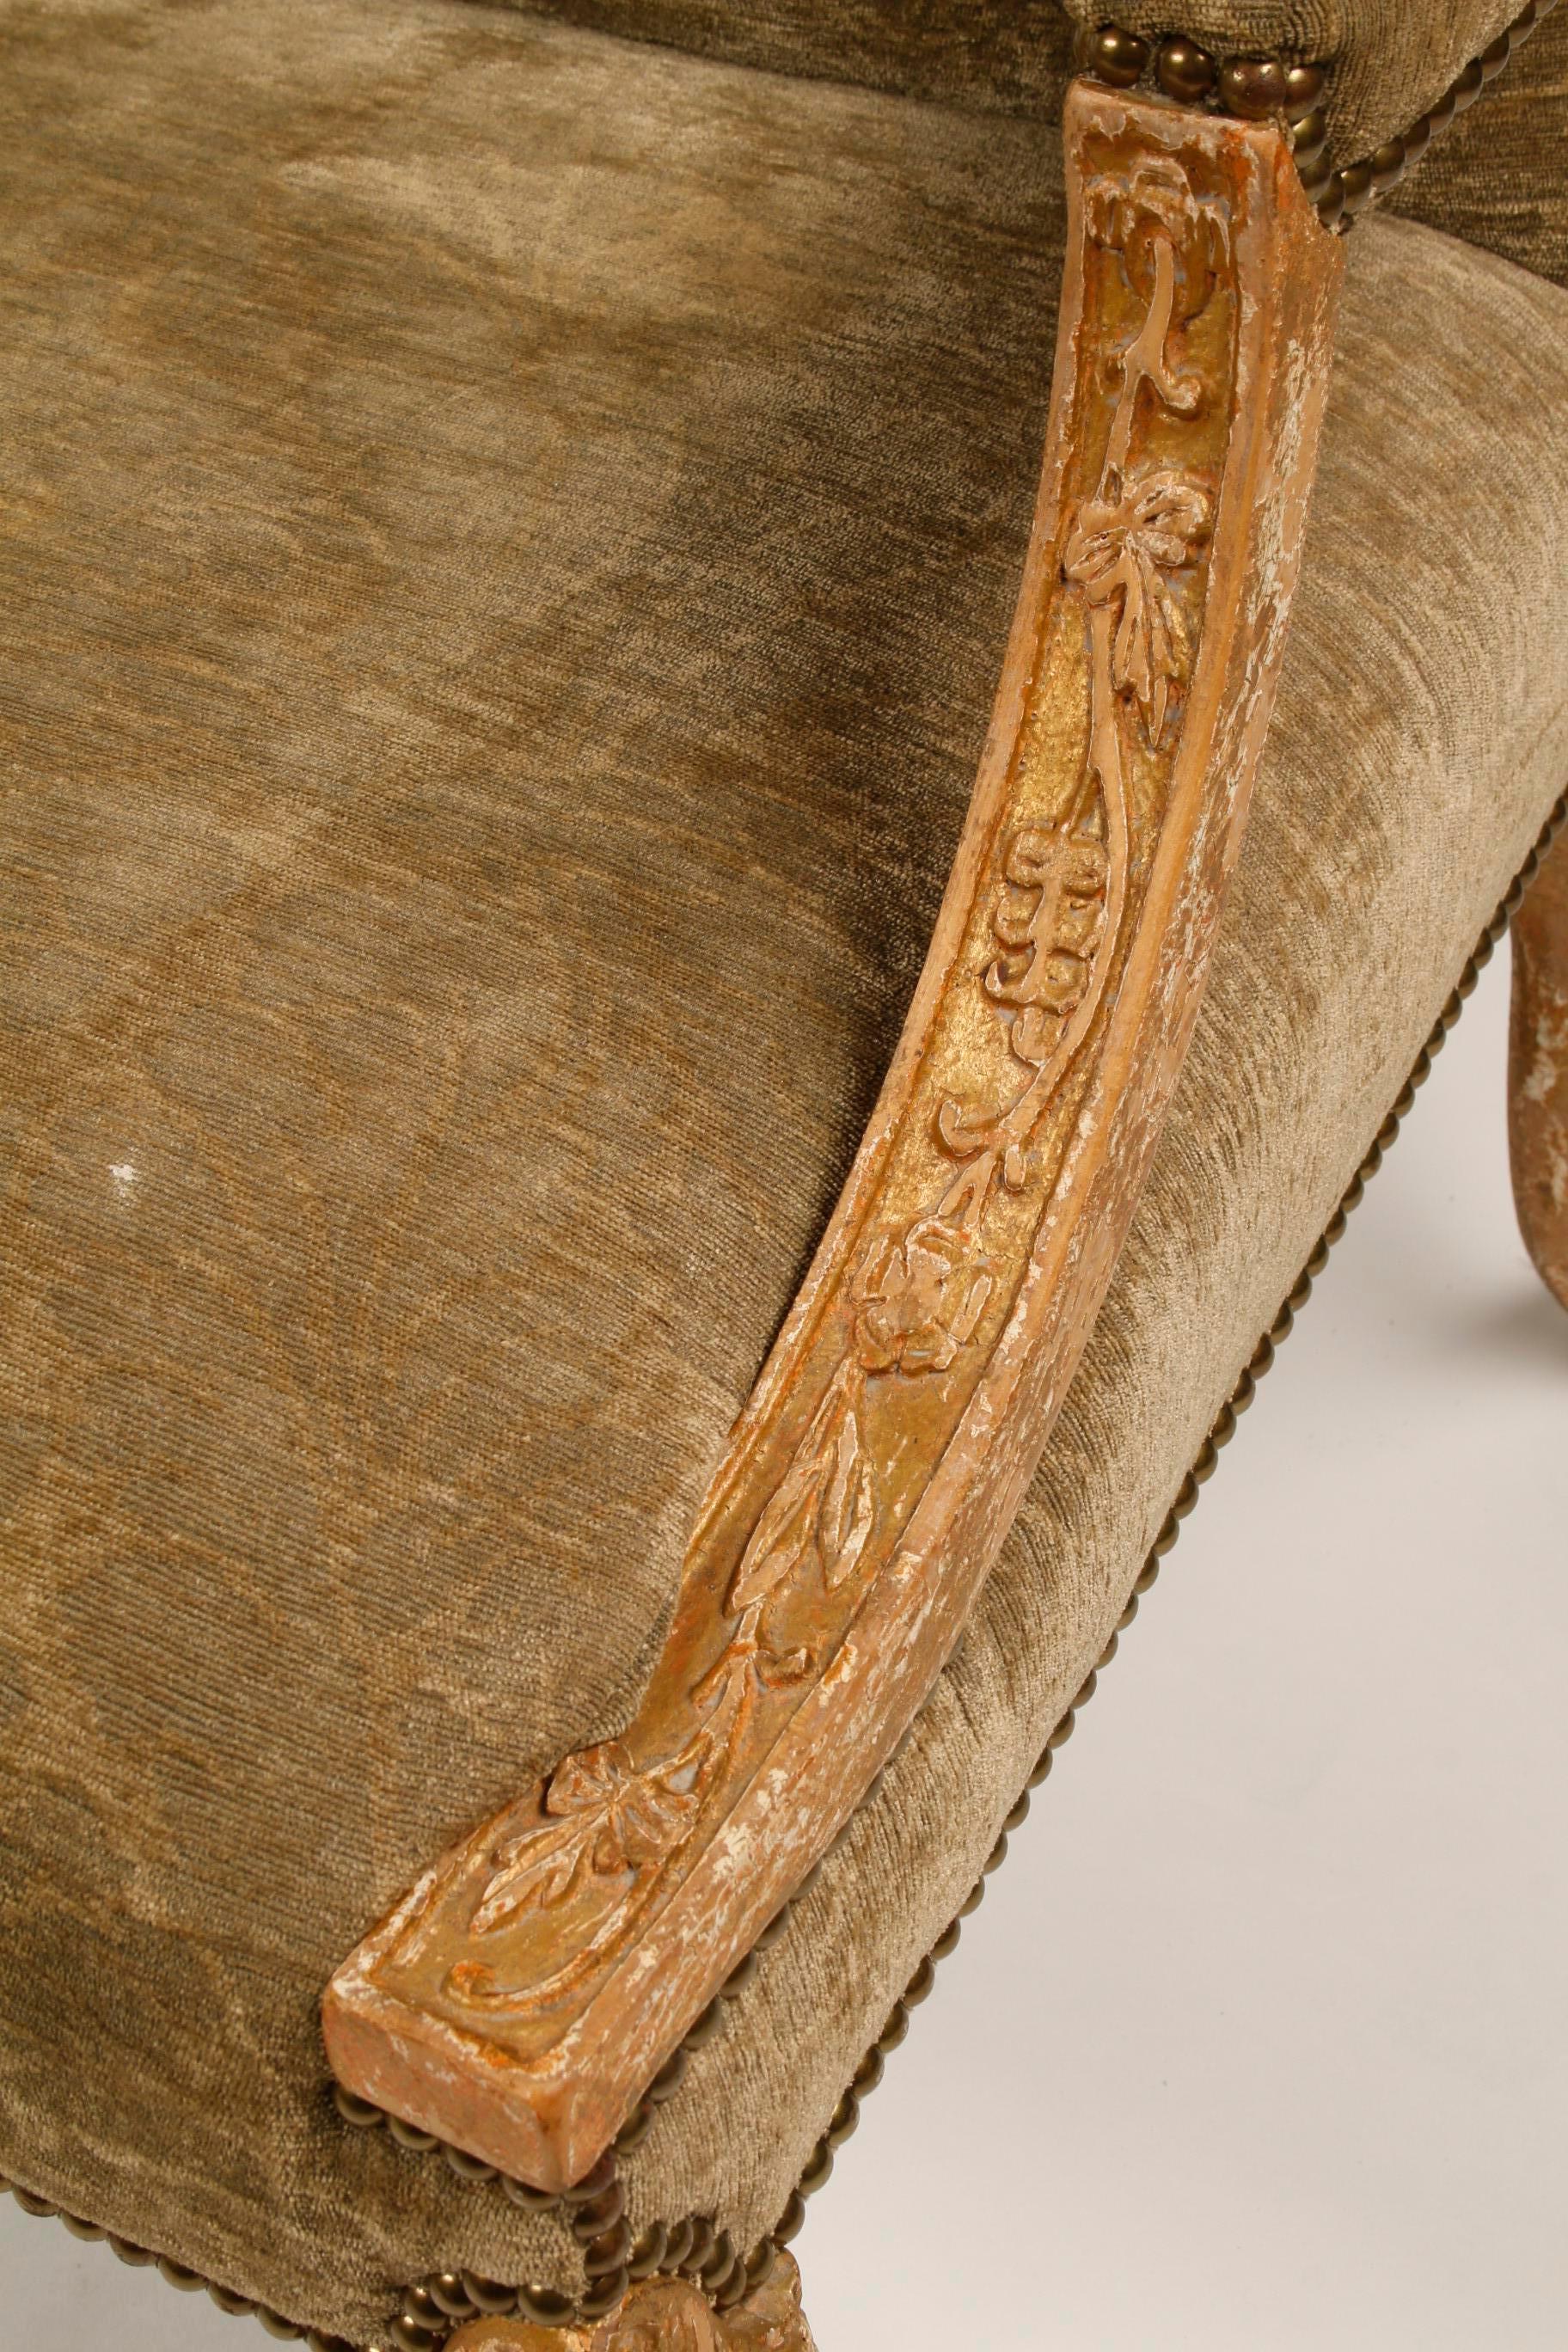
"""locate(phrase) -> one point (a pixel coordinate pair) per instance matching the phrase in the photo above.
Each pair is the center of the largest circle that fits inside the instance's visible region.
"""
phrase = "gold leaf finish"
(663, 2314)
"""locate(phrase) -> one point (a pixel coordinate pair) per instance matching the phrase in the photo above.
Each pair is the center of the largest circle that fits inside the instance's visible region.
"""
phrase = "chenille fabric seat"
(510, 520)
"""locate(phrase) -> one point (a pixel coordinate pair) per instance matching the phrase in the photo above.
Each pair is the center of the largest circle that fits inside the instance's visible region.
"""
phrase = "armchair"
(618, 1283)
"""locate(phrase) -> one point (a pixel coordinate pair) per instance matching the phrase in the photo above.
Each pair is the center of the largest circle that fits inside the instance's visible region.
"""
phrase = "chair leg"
(1538, 1070)
(663, 2314)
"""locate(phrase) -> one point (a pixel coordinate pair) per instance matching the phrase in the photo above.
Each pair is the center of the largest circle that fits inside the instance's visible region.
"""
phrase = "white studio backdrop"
(1257, 2043)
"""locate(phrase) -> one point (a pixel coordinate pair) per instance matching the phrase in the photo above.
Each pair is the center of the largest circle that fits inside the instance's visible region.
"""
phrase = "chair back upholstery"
(1497, 176)
(1012, 55)
(1391, 59)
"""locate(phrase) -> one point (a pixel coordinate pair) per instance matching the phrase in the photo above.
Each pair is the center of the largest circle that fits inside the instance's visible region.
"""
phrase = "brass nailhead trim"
(687, 2249)
(1342, 194)
(693, 2249)
(1258, 86)
(1255, 88)
(1252, 87)
(868, 2073)
(143, 2257)
(432, 2306)
(363, 2114)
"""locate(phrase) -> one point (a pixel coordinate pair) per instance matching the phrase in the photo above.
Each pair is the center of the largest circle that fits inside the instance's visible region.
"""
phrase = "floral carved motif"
(1122, 555)
(824, 1581)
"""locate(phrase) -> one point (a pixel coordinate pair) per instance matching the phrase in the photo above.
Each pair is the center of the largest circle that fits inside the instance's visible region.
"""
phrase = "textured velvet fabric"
(1012, 55)
(1391, 59)
(508, 540)
(1420, 736)
(1499, 177)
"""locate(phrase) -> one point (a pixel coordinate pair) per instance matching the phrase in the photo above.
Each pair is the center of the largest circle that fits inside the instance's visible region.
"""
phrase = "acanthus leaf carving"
(822, 1509)
(605, 1817)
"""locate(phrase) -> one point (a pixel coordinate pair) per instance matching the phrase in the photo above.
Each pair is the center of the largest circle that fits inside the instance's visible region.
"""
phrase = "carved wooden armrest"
(519, 2000)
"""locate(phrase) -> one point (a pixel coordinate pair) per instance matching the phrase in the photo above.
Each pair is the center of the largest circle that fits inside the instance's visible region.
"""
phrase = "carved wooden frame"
(1538, 1070)
(520, 1997)
(663, 2314)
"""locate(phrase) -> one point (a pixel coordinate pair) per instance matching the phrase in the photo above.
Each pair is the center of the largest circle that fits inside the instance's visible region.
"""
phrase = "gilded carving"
(521, 1996)
(664, 2314)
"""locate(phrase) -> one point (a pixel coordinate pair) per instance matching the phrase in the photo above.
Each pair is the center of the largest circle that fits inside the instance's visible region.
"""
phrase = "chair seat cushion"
(508, 536)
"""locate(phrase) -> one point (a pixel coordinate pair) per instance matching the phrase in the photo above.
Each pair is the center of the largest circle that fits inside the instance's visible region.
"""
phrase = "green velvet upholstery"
(505, 535)
(1498, 175)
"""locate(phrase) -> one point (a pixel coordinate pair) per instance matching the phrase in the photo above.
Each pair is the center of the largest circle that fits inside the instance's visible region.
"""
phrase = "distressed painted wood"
(1538, 1070)
(521, 1998)
(663, 2314)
